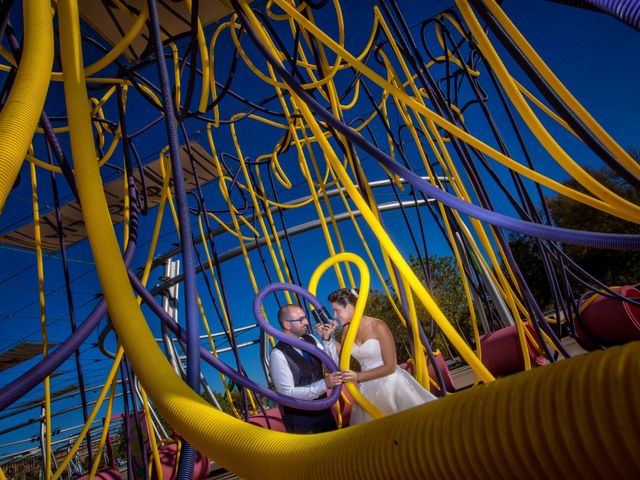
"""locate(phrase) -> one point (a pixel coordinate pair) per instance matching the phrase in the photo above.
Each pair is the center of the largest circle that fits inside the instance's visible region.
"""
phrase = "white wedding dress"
(390, 394)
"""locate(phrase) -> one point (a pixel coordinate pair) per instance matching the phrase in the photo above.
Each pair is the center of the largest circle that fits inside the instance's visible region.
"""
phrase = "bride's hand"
(349, 376)
(332, 326)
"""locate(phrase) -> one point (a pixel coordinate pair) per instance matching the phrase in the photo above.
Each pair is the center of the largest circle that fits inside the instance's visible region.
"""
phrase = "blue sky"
(593, 54)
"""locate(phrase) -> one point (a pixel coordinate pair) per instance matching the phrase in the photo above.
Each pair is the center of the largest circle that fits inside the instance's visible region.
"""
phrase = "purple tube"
(20, 386)
(627, 11)
(613, 241)
(187, 452)
(235, 375)
(301, 344)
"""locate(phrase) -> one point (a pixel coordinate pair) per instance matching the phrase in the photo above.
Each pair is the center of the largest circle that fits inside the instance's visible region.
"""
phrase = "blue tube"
(301, 344)
(187, 453)
(21, 385)
(235, 375)
(628, 11)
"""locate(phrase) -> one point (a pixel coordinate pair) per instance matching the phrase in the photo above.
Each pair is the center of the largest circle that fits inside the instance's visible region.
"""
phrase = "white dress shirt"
(283, 378)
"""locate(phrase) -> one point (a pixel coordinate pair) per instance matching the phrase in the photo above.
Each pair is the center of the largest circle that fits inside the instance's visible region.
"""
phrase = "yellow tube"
(623, 156)
(345, 353)
(62, 468)
(43, 316)
(151, 435)
(122, 45)
(618, 206)
(463, 135)
(117, 49)
(204, 58)
(418, 443)
(20, 115)
(105, 430)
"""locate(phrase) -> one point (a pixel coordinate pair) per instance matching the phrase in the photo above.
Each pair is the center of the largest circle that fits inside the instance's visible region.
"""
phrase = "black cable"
(193, 48)
(69, 295)
(222, 288)
(462, 151)
(5, 10)
(565, 113)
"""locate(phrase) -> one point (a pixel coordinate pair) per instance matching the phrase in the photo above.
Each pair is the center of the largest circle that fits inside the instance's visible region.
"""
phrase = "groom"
(297, 374)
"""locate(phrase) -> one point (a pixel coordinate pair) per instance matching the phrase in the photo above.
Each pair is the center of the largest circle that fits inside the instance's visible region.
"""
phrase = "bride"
(381, 381)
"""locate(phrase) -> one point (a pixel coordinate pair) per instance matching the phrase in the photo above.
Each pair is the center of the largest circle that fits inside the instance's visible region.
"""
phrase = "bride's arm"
(388, 351)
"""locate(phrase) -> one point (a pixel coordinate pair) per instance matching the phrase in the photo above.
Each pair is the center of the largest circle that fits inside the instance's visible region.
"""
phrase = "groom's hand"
(333, 379)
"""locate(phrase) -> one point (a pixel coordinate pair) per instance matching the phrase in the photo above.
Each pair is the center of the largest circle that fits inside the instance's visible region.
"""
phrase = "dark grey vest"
(303, 371)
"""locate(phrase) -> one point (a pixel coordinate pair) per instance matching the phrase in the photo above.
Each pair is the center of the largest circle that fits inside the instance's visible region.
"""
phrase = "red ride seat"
(449, 383)
(168, 457)
(502, 354)
(274, 418)
(608, 321)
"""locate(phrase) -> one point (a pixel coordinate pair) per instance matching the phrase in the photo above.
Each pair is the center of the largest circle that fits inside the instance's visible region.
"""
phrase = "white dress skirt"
(390, 394)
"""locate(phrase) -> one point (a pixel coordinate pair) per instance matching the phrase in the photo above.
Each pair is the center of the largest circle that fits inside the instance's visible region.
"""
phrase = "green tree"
(609, 266)
(223, 401)
(448, 292)
(527, 255)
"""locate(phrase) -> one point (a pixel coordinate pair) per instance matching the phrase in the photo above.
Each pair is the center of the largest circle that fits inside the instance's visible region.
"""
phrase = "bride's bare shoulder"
(378, 324)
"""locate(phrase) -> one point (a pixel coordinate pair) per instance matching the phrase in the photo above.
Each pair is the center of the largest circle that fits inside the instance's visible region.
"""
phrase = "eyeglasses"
(296, 320)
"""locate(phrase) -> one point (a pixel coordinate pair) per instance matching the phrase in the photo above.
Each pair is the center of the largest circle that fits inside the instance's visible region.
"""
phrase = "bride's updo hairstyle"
(344, 296)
